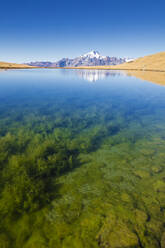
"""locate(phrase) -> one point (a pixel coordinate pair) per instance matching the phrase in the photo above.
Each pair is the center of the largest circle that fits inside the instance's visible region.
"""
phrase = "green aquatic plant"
(82, 170)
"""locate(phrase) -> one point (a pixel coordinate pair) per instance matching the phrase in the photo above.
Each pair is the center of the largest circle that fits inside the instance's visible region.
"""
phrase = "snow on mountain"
(129, 60)
(92, 54)
(93, 58)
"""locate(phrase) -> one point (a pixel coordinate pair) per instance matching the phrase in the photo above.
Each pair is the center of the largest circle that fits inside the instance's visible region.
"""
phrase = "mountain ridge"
(92, 58)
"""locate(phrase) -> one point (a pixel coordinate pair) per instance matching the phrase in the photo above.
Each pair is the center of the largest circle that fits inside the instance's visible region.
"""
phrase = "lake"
(82, 156)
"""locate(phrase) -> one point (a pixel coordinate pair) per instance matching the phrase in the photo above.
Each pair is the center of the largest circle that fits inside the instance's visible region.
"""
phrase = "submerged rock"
(156, 169)
(141, 174)
(116, 234)
(159, 186)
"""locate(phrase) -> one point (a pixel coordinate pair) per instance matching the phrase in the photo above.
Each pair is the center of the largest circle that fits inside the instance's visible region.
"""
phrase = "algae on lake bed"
(82, 166)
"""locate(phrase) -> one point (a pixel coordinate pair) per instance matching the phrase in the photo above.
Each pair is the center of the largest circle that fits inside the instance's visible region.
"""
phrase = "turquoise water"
(82, 160)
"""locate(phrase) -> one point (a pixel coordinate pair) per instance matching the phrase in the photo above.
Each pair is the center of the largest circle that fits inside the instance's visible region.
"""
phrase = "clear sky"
(49, 30)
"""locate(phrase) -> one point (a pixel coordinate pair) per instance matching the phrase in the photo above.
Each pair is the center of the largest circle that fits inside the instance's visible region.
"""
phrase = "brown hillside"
(5, 65)
(155, 62)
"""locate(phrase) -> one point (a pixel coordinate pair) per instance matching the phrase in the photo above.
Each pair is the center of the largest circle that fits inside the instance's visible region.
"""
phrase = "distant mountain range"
(92, 58)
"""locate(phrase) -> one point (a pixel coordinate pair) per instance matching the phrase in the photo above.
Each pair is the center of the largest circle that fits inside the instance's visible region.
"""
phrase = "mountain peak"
(92, 54)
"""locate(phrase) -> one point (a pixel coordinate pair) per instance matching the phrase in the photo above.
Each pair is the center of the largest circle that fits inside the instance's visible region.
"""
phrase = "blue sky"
(51, 29)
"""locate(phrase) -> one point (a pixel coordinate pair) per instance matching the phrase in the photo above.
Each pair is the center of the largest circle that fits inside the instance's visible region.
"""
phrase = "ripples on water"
(82, 165)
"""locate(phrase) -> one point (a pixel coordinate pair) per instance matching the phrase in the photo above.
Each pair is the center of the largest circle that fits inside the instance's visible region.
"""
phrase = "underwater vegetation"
(82, 171)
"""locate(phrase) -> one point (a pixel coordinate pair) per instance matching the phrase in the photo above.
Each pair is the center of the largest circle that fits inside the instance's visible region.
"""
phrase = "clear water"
(82, 160)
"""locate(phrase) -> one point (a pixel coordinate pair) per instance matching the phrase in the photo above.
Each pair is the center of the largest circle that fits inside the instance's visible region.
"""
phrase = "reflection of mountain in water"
(94, 75)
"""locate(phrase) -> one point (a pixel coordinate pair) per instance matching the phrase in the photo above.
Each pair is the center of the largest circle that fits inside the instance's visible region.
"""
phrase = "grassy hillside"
(155, 62)
(5, 65)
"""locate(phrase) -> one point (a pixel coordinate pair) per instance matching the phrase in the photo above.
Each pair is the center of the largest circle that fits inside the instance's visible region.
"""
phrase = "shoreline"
(14, 68)
(151, 75)
(112, 69)
(86, 68)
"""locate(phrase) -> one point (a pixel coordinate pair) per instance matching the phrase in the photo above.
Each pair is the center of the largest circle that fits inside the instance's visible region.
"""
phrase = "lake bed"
(82, 160)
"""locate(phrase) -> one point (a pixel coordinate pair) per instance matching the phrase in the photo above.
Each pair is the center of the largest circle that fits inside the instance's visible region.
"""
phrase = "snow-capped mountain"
(92, 54)
(92, 58)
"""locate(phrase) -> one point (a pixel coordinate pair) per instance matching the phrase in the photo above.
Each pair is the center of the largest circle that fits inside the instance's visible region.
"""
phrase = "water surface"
(82, 160)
